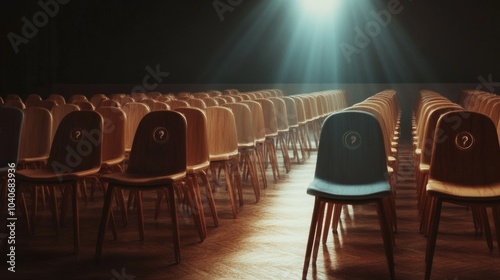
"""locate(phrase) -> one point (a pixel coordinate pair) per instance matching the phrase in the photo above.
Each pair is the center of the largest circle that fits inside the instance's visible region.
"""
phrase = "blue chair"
(351, 168)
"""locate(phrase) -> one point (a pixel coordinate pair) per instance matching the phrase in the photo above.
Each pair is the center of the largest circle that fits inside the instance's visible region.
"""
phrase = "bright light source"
(319, 8)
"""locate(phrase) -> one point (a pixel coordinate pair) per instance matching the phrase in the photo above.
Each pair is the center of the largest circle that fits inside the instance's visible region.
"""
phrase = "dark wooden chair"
(157, 160)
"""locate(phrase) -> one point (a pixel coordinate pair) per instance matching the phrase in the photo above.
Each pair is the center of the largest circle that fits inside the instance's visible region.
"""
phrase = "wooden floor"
(266, 241)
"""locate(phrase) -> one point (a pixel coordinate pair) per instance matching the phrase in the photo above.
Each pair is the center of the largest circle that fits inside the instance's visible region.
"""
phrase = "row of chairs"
(482, 102)
(458, 157)
(216, 120)
(357, 150)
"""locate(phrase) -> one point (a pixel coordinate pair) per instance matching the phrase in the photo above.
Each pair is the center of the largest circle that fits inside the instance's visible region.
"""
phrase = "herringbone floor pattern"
(266, 241)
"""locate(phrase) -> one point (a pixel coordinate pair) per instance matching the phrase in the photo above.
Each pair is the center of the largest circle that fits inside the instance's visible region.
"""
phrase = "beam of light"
(319, 9)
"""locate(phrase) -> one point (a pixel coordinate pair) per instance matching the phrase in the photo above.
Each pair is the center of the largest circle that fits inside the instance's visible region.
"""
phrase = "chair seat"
(34, 159)
(463, 191)
(114, 161)
(331, 190)
(128, 179)
(197, 167)
(223, 156)
(50, 175)
(424, 168)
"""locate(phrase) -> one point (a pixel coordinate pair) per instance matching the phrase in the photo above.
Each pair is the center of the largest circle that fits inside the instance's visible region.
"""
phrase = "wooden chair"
(463, 170)
(246, 143)
(271, 132)
(35, 138)
(47, 104)
(135, 112)
(198, 161)
(223, 150)
(32, 100)
(75, 155)
(58, 113)
(283, 128)
(294, 137)
(157, 161)
(350, 169)
(260, 135)
(59, 99)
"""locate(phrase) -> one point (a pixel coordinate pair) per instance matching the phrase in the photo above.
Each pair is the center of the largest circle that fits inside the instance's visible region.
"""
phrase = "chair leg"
(106, 209)
(386, 230)
(485, 225)
(496, 218)
(432, 235)
(328, 220)
(310, 240)
(230, 190)
(175, 225)
(319, 227)
(210, 198)
(76, 217)
(337, 210)
(140, 213)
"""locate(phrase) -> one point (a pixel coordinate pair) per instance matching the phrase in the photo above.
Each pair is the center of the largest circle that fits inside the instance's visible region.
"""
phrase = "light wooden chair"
(223, 150)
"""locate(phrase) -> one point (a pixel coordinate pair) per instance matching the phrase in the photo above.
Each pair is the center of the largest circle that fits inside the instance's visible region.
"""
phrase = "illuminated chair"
(223, 150)
(246, 142)
(32, 100)
(283, 128)
(350, 169)
(463, 170)
(157, 161)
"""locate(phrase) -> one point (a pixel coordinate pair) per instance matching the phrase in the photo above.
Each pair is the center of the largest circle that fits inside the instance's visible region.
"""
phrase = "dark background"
(259, 42)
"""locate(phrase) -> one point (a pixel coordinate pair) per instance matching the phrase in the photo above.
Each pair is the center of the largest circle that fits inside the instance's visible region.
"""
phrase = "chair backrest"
(196, 102)
(291, 108)
(59, 99)
(77, 145)
(466, 151)
(244, 124)
(58, 113)
(84, 105)
(36, 133)
(177, 103)
(32, 100)
(222, 135)
(197, 141)
(281, 113)
(47, 104)
(351, 149)
(15, 103)
(11, 122)
(135, 111)
(159, 146)
(258, 119)
(270, 118)
(113, 134)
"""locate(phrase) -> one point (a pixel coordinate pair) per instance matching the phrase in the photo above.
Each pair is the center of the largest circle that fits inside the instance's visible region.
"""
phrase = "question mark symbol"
(161, 134)
(353, 139)
(78, 133)
(464, 140)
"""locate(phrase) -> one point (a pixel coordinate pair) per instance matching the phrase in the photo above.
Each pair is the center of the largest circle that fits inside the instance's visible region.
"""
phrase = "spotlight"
(319, 8)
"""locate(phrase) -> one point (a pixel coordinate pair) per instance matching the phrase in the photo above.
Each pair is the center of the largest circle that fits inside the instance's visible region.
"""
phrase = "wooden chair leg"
(431, 238)
(76, 218)
(210, 198)
(387, 235)
(319, 226)
(328, 220)
(175, 225)
(496, 219)
(230, 190)
(106, 209)
(140, 214)
(312, 235)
